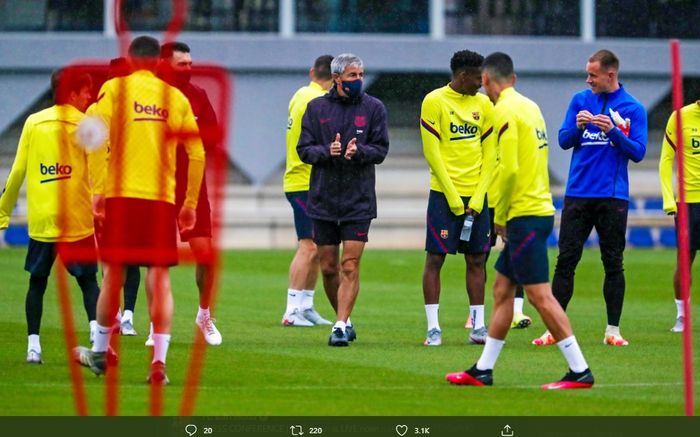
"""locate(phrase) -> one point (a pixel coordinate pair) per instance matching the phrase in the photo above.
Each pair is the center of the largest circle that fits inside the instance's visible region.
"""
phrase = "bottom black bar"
(350, 426)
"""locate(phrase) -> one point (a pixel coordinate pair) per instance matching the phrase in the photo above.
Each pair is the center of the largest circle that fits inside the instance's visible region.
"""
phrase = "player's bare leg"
(431, 296)
(161, 312)
(203, 254)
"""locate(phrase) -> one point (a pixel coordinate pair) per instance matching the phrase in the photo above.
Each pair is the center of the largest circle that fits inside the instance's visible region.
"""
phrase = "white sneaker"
(127, 328)
(34, 357)
(211, 334)
(678, 327)
(149, 340)
(314, 317)
(295, 318)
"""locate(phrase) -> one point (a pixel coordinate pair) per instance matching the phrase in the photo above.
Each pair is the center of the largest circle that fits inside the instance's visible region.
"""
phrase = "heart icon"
(401, 430)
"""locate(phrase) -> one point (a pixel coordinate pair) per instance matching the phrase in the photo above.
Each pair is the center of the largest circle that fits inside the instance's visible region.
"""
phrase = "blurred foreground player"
(136, 195)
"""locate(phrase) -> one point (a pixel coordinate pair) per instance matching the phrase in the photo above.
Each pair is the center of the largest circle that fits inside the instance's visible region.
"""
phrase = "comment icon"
(191, 429)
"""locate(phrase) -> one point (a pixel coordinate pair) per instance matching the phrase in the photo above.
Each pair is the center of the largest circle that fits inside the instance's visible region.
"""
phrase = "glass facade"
(648, 19)
(362, 16)
(512, 17)
(613, 18)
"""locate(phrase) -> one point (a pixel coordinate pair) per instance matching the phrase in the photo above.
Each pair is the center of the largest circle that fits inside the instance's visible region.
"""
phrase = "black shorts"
(302, 222)
(524, 257)
(41, 256)
(443, 228)
(332, 233)
(693, 225)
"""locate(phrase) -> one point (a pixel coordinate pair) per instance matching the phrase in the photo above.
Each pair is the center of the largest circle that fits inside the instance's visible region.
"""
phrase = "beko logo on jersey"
(465, 128)
(150, 110)
(595, 136)
(694, 143)
(59, 171)
(464, 131)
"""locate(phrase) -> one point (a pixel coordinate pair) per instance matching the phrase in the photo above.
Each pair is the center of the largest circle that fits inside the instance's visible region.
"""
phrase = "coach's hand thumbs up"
(335, 146)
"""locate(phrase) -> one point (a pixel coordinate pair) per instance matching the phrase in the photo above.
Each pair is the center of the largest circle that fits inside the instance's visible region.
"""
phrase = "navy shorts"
(524, 257)
(443, 228)
(693, 225)
(332, 233)
(302, 222)
(41, 256)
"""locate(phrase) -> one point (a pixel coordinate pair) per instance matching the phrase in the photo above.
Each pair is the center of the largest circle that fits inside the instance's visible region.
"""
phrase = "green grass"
(265, 369)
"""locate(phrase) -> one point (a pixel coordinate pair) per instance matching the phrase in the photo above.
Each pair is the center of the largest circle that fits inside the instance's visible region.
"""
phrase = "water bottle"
(467, 228)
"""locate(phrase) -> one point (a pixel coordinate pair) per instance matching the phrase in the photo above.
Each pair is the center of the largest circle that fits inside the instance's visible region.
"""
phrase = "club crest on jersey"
(444, 233)
(360, 121)
(475, 115)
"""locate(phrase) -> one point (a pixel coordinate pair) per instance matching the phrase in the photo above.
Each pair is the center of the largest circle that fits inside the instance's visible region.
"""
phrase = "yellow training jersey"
(145, 116)
(458, 144)
(59, 203)
(522, 187)
(297, 173)
(690, 116)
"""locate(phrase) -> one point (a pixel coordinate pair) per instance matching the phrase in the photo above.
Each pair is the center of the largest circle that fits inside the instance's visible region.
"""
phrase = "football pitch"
(264, 369)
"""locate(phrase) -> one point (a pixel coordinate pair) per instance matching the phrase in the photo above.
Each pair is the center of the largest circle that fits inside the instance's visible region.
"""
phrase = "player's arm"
(16, 176)
(432, 137)
(208, 125)
(97, 160)
(668, 154)
(569, 133)
(633, 147)
(377, 146)
(195, 154)
(309, 149)
(488, 159)
(508, 165)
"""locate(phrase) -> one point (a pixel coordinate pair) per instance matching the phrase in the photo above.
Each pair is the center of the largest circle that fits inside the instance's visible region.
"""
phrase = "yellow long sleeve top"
(690, 116)
(297, 173)
(459, 145)
(523, 176)
(146, 119)
(59, 205)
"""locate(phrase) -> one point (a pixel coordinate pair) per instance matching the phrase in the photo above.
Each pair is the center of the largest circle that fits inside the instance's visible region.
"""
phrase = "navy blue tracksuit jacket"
(343, 190)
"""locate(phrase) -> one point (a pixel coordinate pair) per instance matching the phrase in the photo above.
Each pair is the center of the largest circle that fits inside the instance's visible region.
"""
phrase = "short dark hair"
(322, 67)
(65, 82)
(144, 47)
(499, 65)
(118, 67)
(464, 60)
(167, 49)
(607, 59)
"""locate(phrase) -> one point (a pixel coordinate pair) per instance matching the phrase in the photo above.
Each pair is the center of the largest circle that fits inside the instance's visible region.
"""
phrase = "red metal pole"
(683, 242)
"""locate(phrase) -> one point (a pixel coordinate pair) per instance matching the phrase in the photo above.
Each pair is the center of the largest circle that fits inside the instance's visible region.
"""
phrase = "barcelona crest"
(444, 233)
(475, 115)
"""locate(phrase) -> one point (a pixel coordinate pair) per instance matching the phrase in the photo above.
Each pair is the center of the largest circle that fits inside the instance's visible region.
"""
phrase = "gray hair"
(341, 62)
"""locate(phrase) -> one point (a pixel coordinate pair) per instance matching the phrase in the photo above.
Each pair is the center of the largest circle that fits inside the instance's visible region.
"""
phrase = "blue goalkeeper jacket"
(599, 161)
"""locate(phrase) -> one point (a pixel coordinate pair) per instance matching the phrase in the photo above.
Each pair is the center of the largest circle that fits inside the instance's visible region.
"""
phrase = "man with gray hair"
(343, 136)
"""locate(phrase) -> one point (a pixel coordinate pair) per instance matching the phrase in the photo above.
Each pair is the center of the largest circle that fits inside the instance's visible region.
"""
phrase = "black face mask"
(182, 78)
